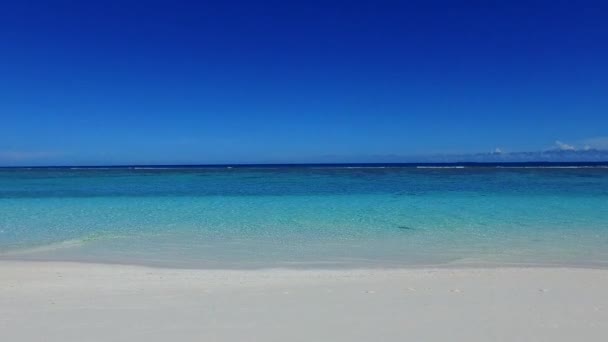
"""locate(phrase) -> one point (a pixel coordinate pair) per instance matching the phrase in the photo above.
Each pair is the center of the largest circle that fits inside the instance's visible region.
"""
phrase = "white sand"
(83, 302)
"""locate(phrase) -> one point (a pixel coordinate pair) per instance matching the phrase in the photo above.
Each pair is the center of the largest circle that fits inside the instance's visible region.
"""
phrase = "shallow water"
(307, 216)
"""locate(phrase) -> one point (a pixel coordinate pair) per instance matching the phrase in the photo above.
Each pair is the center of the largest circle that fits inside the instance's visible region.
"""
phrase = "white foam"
(45, 248)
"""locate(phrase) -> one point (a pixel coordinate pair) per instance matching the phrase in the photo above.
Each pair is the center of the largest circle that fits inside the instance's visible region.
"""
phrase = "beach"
(303, 171)
(59, 301)
(304, 253)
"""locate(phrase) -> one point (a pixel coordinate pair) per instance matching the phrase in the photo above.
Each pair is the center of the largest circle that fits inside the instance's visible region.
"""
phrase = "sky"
(170, 82)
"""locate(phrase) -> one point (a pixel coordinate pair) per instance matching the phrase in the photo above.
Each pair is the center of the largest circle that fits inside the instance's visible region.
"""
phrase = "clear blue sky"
(106, 82)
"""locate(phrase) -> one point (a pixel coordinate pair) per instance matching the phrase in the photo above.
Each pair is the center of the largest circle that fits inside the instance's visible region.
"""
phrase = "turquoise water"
(307, 216)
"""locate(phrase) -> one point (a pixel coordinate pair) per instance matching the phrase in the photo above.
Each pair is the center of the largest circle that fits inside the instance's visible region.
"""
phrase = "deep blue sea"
(317, 216)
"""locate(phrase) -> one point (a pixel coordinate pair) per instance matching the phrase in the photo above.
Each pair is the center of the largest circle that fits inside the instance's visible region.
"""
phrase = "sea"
(309, 215)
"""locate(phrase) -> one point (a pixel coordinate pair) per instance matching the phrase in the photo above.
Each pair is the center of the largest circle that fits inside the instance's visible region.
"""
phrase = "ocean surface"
(308, 216)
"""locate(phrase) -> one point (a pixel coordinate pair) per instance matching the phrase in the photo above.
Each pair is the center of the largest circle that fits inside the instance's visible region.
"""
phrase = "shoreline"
(69, 301)
(320, 266)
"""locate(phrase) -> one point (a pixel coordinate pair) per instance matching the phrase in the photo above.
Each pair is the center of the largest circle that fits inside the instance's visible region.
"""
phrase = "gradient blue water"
(307, 216)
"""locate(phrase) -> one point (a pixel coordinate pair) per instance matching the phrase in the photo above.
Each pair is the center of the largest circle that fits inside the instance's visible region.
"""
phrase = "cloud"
(598, 143)
(20, 156)
(564, 147)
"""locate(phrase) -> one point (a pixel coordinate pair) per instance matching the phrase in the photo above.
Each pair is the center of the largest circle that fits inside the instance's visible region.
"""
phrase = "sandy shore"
(88, 302)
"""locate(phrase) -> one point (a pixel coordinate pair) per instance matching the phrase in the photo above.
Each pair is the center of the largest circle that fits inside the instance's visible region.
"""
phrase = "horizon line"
(317, 164)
